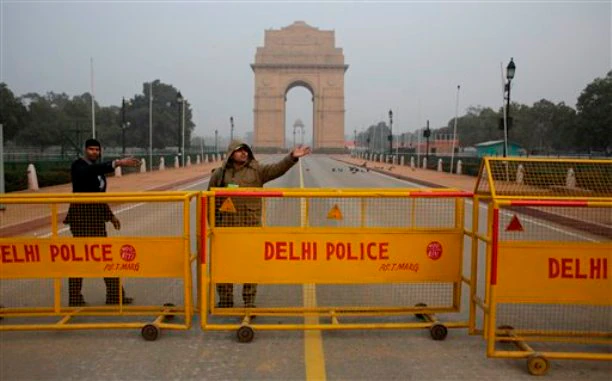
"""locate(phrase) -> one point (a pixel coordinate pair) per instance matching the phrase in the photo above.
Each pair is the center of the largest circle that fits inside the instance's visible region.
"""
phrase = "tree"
(595, 115)
(166, 124)
(13, 114)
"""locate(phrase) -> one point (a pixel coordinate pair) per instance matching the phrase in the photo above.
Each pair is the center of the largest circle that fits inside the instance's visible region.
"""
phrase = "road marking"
(314, 359)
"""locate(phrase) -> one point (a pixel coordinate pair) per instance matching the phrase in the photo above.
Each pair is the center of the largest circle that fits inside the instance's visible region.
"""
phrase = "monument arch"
(299, 55)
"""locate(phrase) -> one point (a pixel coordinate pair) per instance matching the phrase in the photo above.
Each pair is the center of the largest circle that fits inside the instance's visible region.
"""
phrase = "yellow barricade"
(549, 252)
(54, 246)
(356, 258)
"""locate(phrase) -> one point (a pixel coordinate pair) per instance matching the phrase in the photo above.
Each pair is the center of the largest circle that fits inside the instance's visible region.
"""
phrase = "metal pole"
(216, 141)
(183, 132)
(390, 132)
(2, 207)
(179, 100)
(93, 102)
(427, 144)
(232, 128)
(123, 126)
(455, 130)
(151, 126)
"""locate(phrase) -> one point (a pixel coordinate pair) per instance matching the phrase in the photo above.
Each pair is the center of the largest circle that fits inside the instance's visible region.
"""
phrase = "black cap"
(92, 143)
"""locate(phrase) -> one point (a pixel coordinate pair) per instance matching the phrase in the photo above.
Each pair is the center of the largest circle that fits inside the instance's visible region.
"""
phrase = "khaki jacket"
(251, 175)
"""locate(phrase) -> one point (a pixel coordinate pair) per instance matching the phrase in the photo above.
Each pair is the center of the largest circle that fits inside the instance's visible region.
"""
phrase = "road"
(281, 355)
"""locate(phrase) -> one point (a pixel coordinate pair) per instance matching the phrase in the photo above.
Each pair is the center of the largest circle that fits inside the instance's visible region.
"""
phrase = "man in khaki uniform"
(240, 169)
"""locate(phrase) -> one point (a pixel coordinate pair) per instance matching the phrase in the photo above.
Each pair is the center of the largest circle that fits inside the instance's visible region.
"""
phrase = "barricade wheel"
(245, 334)
(1, 307)
(169, 317)
(438, 331)
(537, 365)
(420, 316)
(150, 332)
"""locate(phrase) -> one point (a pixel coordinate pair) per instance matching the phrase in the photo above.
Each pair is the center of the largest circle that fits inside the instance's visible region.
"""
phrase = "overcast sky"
(408, 56)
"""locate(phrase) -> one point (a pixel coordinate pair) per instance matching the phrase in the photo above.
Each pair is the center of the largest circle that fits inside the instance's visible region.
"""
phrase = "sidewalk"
(426, 177)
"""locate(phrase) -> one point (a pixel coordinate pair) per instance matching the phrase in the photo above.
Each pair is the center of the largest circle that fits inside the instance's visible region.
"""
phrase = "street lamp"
(231, 128)
(179, 103)
(355, 139)
(216, 141)
(510, 69)
(391, 132)
(124, 124)
(426, 135)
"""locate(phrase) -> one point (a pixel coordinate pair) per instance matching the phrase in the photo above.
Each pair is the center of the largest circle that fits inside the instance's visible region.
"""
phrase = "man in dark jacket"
(89, 220)
(240, 169)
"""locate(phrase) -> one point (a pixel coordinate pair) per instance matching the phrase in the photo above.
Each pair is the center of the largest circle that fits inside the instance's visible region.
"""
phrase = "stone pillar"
(459, 167)
(439, 165)
(32, 178)
(162, 164)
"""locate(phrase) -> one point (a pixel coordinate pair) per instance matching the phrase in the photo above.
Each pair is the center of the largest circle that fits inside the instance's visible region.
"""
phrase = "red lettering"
(340, 250)
(578, 275)
(329, 250)
(595, 268)
(553, 268)
(384, 249)
(351, 257)
(268, 250)
(6, 252)
(292, 255)
(54, 250)
(370, 246)
(566, 268)
(281, 247)
(107, 253)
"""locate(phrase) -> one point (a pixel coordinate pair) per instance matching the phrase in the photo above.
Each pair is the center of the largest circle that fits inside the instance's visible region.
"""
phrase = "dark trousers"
(92, 227)
(226, 294)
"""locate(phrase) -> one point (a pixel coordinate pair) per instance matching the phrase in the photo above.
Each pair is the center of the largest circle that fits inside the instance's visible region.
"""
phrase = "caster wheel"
(169, 317)
(420, 316)
(537, 365)
(245, 334)
(1, 307)
(438, 331)
(150, 332)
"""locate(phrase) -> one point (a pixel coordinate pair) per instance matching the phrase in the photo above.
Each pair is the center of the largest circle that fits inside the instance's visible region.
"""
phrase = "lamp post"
(391, 132)
(124, 124)
(355, 139)
(179, 103)
(426, 135)
(216, 141)
(510, 69)
(294, 127)
(231, 128)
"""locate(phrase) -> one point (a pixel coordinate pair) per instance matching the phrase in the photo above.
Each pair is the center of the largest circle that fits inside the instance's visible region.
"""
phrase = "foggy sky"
(405, 56)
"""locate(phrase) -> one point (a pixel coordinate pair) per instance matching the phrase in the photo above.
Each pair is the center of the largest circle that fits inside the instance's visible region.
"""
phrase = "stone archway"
(299, 55)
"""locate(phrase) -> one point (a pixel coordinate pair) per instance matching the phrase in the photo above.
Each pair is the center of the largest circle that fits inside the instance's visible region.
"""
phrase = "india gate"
(299, 55)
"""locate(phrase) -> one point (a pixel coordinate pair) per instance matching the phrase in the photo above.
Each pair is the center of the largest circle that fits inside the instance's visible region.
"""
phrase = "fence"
(139, 243)
(342, 255)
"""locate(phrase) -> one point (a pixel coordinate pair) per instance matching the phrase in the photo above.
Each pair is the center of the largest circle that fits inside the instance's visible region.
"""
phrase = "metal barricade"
(548, 292)
(48, 271)
(331, 259)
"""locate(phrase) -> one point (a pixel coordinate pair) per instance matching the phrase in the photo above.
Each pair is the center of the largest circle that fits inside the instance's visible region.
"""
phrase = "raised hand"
(300, 151)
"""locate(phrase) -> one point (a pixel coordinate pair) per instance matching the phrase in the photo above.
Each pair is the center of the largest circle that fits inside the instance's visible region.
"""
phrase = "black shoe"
(126, 300)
